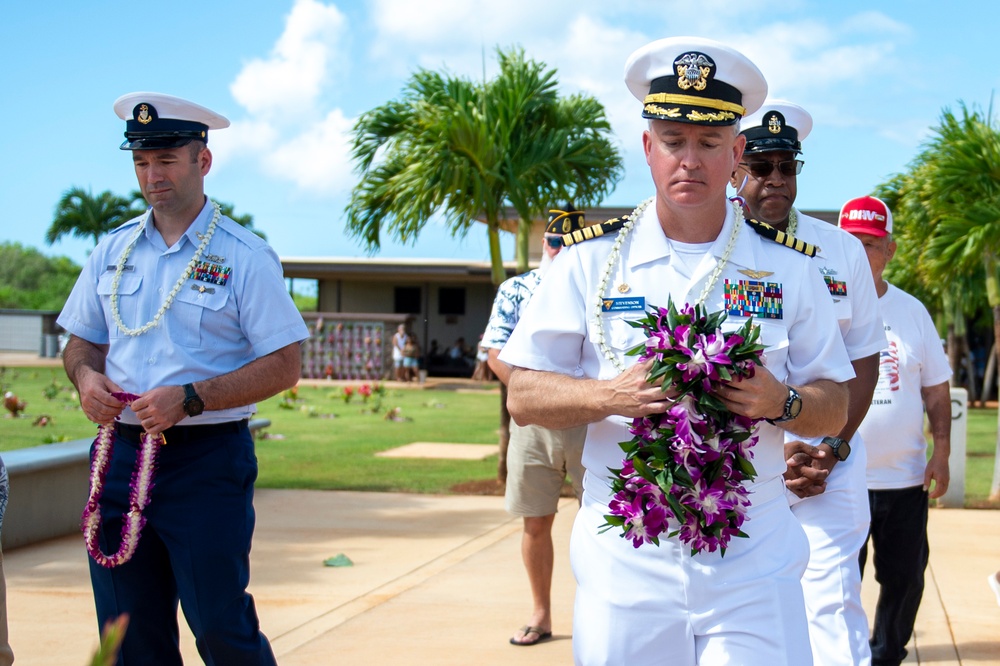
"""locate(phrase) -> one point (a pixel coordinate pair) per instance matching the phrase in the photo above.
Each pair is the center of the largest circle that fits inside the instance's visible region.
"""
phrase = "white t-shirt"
(843, 264)
(894, 428)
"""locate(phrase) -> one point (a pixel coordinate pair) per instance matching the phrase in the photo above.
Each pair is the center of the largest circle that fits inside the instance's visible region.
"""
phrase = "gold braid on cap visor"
(670, 98)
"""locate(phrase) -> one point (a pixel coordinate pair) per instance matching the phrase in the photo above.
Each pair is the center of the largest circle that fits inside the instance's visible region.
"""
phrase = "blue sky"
(293, 75)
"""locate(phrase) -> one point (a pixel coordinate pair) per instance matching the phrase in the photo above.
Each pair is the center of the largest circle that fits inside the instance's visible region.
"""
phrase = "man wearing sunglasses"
(538, 459)
(835, 520)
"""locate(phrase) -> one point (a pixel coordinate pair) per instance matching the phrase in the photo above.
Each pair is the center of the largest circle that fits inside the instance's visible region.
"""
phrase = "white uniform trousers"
(836, 524)
(661, 605)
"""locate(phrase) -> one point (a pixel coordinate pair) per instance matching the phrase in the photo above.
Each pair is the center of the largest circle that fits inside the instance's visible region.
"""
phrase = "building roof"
(331, 268)
(456, 270)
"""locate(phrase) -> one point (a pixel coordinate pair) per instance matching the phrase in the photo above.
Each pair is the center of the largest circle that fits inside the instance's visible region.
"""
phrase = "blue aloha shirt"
(511, 299)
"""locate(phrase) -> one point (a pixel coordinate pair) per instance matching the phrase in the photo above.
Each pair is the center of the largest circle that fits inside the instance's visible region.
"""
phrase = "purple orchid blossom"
(695, 458)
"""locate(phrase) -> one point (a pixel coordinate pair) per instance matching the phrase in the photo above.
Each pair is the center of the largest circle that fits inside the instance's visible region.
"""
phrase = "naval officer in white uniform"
(835, 520)
(660, 604)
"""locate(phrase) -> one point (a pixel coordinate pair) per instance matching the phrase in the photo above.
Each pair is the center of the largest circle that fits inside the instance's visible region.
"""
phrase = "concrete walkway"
(437, 580)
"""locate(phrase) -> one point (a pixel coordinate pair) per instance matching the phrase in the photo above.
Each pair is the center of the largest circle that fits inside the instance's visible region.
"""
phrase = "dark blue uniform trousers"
(898, 533)
(195, 548)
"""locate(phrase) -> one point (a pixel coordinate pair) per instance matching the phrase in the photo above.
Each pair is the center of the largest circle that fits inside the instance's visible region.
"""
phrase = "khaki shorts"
(538, 460)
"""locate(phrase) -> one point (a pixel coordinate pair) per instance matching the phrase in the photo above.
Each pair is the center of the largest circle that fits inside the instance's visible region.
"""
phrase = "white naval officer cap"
(156, 121)
(694, 80)
(777, 125)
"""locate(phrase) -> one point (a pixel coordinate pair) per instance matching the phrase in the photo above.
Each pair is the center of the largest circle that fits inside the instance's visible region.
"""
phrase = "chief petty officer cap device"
(157, 121)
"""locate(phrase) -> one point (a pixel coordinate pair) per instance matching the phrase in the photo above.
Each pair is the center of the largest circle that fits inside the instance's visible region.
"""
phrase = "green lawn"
(979, 456)
(319, 442)
(323, 442)
(334, 447)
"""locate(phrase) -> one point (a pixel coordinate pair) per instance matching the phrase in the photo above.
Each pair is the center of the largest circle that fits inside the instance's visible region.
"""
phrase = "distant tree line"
(31, 281)
(946, 212)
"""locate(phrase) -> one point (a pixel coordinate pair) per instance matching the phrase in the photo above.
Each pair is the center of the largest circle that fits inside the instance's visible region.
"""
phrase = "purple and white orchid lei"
(140, 488)
(684, 470)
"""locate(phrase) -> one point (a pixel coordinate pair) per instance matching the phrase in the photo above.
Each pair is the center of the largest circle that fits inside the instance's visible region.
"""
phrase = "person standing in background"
(836, 519)
(913, 376)
(538, 459)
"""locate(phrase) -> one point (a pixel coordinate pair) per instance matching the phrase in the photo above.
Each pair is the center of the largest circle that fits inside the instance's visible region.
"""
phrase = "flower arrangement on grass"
(348, 393)
(683, 470)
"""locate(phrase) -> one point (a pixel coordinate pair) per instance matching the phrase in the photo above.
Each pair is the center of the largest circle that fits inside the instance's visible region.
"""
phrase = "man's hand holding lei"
(139, 495)
(684, 470)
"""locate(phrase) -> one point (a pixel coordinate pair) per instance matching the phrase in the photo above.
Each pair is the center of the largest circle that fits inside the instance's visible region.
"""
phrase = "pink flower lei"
(141, 486)
(689, 464)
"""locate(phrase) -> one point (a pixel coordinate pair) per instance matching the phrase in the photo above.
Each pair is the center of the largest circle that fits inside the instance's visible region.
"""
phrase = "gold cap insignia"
(693, 70)
(774, 124)
(144, 116)
(756, 275)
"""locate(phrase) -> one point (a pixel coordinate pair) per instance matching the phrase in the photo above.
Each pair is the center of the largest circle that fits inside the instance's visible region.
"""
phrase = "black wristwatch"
(841, 449)
(793, 405)
(193, 404)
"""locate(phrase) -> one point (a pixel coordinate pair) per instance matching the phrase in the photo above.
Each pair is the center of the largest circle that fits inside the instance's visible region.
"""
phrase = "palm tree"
(949, 296)
(557, 148)
(963, 186)
(83, 215)
(462, 150)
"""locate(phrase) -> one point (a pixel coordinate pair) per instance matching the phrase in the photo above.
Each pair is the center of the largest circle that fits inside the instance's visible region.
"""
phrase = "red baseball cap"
(866, 215)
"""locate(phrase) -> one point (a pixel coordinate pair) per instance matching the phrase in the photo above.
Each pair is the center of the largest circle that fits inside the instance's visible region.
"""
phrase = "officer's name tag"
(623, 304)
(126, 268)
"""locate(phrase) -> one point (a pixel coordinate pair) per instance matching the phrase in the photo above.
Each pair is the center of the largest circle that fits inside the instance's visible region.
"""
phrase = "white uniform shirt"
(558, 333)
(843, 265)
(894, 426)
(233, 309)
(842, 262)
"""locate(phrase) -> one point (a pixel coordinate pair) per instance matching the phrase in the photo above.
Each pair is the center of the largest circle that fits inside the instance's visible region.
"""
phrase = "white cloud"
(318, 159)
(296, 135)
(242, 138)
(287, 129)
(288, 83)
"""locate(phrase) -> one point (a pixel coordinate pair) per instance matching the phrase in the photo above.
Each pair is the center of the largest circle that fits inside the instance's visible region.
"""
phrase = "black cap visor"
(771, 144)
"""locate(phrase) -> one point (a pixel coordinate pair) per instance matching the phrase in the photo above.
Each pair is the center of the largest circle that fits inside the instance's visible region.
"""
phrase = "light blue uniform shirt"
(232, 311)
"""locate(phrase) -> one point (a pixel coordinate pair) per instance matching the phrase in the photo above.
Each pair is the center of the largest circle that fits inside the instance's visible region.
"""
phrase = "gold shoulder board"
(594, 230)
(781, 238)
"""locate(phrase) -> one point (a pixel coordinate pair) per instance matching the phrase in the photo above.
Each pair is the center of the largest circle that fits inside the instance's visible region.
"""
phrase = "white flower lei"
(120, 268)
(614, 255)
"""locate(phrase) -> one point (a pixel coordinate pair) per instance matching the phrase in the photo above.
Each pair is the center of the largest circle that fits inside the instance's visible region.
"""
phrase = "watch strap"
(787, 414)
(193, 404)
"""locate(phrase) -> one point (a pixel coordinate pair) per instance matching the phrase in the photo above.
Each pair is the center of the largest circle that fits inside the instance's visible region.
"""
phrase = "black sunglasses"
(763, 168)
(554, 241)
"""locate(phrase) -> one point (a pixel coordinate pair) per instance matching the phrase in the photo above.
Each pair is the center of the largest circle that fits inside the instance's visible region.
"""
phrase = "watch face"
(194, 406)
(794, 404)
(843, 451)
